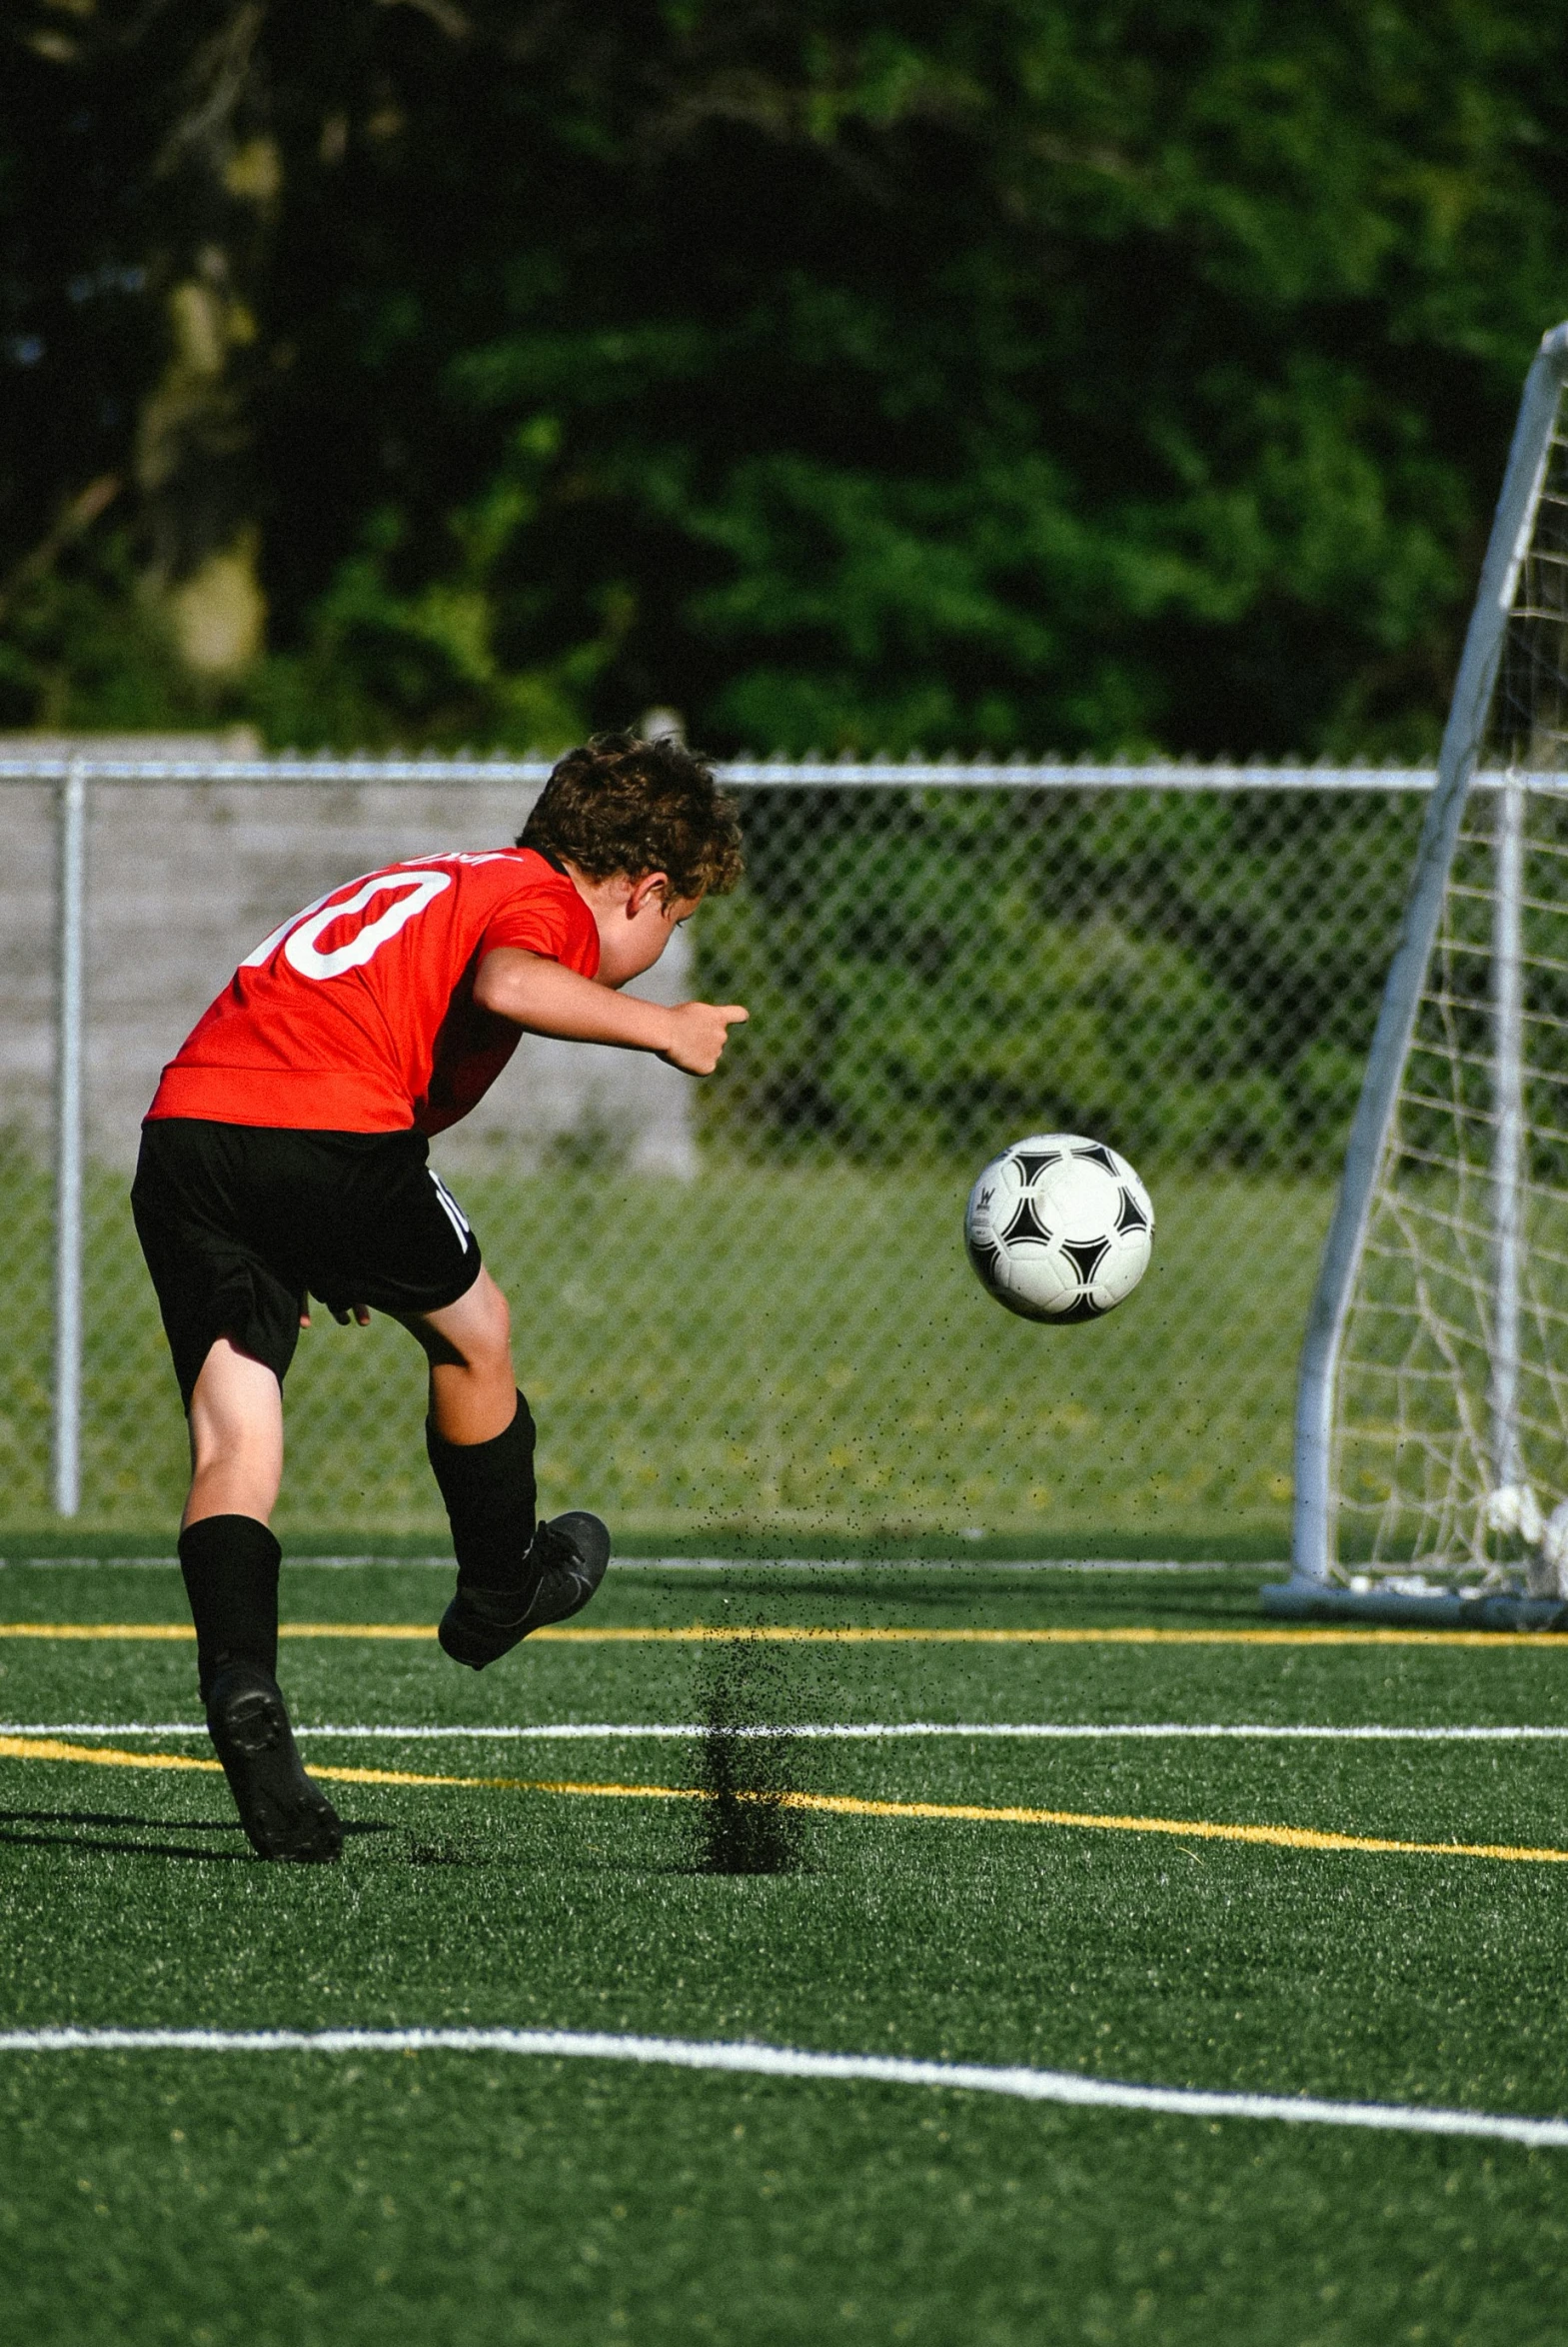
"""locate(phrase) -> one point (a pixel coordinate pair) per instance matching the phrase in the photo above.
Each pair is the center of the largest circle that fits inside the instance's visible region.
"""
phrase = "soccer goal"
(1431, 1460)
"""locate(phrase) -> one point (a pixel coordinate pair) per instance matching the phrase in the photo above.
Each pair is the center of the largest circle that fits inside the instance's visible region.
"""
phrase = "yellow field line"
(51, 1749)
(1282, 1838)
(704, 1633)
(96, 1629)
(104, 1757)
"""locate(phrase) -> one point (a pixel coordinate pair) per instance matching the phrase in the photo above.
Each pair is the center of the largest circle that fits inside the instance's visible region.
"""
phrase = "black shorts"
(239, 1223)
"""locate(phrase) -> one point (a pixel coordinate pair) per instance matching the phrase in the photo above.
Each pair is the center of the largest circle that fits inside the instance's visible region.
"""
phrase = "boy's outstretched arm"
(547, 999)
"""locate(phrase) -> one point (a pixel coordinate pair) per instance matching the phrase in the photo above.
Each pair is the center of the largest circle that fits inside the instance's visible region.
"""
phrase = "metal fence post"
(69, 1006)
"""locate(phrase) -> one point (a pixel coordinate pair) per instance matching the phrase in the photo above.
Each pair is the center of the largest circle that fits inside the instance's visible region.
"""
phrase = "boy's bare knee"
(487, 1352)
(497, 1319)
(473, 1333)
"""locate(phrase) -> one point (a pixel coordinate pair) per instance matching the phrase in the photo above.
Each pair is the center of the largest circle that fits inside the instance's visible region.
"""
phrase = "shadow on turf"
(445, 1850)
(11, 1820)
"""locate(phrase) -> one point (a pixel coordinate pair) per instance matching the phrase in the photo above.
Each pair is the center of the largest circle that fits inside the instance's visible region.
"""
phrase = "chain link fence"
(743, 1308)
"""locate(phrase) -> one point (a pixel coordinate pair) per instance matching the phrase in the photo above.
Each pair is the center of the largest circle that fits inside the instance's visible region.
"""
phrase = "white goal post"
(1431, 1452)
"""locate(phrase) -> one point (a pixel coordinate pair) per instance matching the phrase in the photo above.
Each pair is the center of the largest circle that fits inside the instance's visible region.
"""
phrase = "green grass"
(305, 2200)
(780, 1356)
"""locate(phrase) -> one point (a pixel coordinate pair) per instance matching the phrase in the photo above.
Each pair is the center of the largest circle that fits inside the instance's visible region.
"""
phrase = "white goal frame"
(1311, 1589)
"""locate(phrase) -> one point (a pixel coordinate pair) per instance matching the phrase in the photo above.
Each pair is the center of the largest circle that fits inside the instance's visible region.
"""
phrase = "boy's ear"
(646, 887)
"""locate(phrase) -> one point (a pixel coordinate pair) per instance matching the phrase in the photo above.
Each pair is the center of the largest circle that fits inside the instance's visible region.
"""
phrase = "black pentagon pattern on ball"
(1032, 1163)
(1132, 1216)
(1083, 1308)
(1026, 1226)
(1086, 1255)
(986, 1259)
(1096, 1153)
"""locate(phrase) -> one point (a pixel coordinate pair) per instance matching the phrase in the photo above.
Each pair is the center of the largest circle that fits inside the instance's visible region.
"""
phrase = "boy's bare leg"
(230, 1560)
(472, 1385)
(235, 1439)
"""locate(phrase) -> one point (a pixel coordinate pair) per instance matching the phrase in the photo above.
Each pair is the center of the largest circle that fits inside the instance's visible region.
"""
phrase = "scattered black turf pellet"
(743, 1825)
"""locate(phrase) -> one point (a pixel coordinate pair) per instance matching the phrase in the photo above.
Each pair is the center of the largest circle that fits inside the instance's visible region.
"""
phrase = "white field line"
(769, 2061)
(835, 1732)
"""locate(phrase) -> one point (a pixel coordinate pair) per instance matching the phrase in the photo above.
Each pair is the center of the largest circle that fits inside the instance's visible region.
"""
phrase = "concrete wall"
(184, 880)
(27, 885)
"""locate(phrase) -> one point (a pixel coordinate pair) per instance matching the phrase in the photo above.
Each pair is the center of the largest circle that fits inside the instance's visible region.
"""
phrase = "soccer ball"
(1060, 1228)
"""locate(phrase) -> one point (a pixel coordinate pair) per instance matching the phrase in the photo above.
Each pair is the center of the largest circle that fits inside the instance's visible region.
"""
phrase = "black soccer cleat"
(284, 1814)
(564, 1564)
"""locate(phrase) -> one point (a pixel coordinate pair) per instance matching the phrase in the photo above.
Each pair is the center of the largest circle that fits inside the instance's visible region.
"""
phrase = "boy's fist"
(699, 1032)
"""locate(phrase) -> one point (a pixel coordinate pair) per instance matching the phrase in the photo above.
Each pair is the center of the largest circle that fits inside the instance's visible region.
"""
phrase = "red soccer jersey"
(358, 1015)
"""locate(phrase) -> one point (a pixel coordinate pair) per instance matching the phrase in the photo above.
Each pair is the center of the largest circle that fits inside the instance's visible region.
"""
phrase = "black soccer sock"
(230, 1563)
(490, 1494)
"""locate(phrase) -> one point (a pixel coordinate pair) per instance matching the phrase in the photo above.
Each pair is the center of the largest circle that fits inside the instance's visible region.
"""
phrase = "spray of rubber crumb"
(743, 1827)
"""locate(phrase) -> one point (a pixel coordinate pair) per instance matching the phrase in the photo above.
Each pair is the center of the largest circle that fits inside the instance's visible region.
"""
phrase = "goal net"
(1448, 1437)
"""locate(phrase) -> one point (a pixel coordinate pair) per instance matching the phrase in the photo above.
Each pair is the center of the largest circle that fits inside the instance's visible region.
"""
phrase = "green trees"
(850, 373)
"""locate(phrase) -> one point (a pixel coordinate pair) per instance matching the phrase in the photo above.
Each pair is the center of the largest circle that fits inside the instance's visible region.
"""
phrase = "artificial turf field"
(487, 2196)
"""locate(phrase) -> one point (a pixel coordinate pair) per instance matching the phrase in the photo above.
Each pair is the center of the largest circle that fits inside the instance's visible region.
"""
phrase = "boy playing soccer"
(283, 1156)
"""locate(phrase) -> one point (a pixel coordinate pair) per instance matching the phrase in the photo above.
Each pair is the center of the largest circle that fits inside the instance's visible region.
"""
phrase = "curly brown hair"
(619, 805)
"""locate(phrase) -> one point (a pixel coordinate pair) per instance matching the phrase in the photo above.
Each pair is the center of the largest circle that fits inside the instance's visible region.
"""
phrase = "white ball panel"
(1123, 1268)
(1079, 1200)
(1035, 1279)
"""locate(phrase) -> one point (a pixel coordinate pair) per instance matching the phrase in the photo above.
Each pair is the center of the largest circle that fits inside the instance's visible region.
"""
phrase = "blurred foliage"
(1196, 977)
(849, 373)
